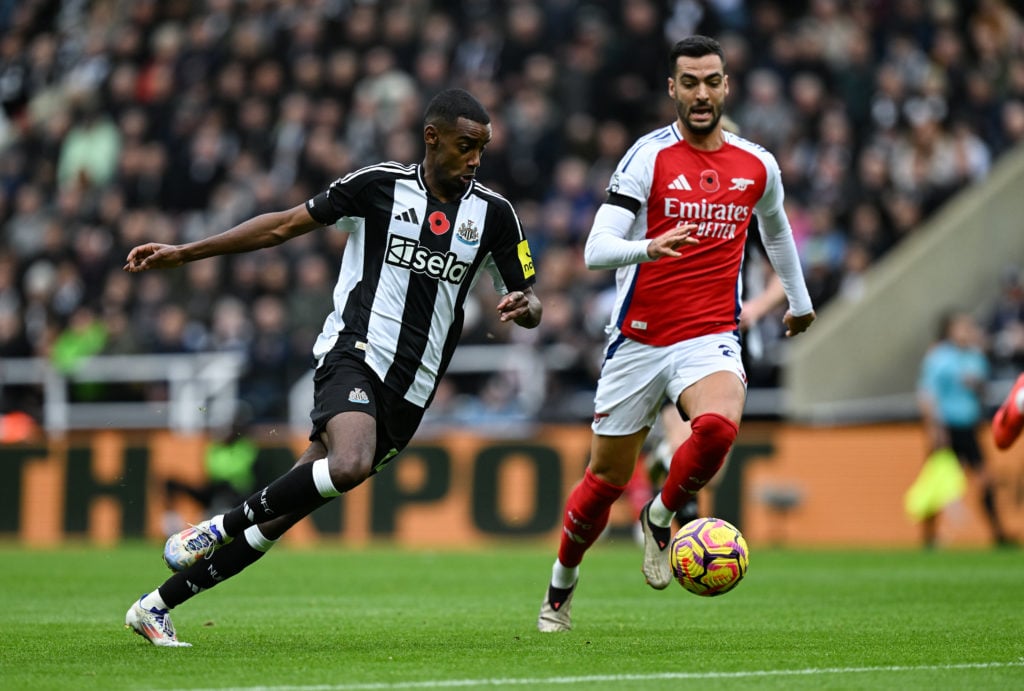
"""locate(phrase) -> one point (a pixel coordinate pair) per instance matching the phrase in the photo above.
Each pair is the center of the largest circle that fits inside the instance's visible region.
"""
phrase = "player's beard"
(716, 117)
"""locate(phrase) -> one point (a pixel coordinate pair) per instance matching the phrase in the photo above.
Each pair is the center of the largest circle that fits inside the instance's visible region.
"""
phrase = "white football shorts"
(637, 379)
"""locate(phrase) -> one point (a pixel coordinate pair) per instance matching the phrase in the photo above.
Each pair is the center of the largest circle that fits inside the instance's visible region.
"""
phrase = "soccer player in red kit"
(1008, 421)
(674, 227)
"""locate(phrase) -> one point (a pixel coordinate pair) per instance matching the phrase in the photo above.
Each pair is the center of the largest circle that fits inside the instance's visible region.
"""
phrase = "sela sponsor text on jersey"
(410, 254)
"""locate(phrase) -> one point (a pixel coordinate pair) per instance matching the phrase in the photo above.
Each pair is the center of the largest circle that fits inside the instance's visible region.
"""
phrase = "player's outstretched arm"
(670, 242)
(521, 306)
(265, 230)
(608, 246)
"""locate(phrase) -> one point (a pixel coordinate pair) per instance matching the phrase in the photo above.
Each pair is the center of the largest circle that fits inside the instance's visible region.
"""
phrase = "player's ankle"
(658, 514)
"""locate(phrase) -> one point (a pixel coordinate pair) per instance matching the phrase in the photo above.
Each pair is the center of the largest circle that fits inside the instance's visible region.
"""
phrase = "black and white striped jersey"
(408, 266)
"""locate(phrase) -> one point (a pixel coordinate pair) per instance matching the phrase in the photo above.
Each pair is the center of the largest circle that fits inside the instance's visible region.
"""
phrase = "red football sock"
(586, 515)
(697, 460)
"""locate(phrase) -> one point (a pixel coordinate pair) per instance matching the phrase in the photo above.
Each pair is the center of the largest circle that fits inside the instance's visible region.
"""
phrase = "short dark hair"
(451, 104)
(696, 46)
(949, 317)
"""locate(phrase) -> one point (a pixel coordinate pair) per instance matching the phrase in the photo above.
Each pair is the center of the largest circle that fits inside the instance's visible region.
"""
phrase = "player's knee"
(348, 471)
(714, 434)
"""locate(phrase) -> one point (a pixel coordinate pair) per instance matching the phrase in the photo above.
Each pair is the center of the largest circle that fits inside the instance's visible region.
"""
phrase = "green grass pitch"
(384, 618)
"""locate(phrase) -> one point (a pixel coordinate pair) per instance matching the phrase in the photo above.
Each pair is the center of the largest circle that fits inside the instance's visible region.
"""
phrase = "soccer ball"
(708, 556)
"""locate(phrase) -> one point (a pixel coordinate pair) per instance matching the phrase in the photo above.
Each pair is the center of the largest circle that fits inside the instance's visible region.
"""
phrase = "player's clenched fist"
(797, 324)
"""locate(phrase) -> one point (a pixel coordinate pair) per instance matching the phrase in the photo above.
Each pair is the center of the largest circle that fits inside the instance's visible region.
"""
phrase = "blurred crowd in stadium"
(128, 121)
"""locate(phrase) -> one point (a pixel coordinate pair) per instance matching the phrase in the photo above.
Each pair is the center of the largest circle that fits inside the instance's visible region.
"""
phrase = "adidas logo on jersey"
(409, 216)
(680, 183)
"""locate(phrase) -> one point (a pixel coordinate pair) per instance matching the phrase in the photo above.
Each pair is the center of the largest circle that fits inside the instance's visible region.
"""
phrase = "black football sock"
(293, 491)
(988, 500)
(206, 573)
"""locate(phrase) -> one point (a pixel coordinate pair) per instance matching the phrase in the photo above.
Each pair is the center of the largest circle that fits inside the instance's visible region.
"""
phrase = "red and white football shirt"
(678, 298)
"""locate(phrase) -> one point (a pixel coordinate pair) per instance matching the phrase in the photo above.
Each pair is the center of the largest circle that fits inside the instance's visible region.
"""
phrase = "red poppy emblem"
(709, 181)
(439, 223)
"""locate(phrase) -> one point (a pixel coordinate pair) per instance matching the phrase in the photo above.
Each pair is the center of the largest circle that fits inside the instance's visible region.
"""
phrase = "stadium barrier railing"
(202, 390)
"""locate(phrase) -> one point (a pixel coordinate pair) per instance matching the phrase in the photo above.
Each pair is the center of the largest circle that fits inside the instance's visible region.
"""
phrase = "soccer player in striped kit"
(420, 237)
(673, 227)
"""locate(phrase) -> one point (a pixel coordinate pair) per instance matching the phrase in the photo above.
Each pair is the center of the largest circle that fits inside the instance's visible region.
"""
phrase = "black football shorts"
(964, 442)
(343, 383)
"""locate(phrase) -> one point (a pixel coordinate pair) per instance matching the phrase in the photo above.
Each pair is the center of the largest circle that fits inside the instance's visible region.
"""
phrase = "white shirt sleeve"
(607, 246)
(777, 236)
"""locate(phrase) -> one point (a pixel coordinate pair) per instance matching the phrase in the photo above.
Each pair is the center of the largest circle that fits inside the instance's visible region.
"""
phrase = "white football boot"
(154, 625)
(554, 610)
(656, 568)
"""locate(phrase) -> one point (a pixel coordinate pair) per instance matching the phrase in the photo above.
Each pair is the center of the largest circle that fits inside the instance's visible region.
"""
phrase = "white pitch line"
(598, 678)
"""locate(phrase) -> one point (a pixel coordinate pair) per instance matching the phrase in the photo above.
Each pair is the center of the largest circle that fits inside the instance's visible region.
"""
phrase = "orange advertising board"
(784, 485)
